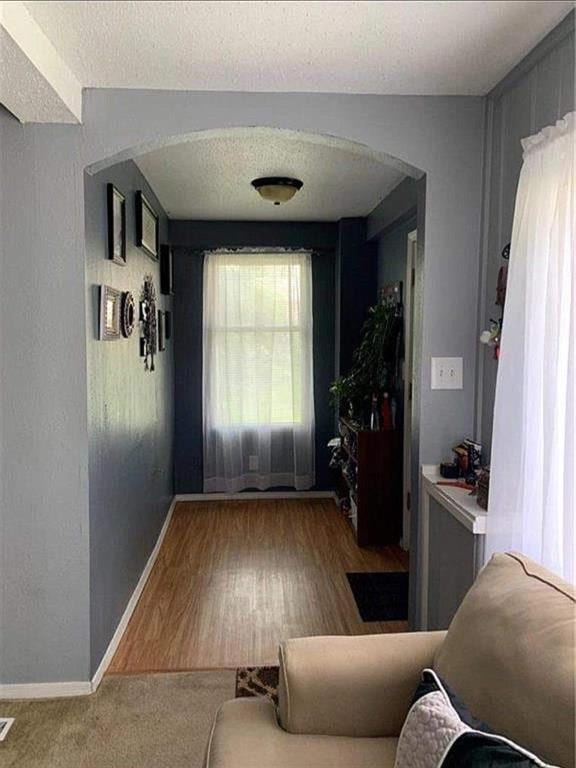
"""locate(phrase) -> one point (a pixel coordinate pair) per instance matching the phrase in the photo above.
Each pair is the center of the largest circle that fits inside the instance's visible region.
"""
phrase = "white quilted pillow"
(435, 736)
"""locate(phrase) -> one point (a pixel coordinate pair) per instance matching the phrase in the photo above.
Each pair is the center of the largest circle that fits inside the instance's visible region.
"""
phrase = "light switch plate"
(447, 373)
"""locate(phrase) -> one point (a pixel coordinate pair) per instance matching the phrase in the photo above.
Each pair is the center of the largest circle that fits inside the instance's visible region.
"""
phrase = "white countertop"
(457, 501)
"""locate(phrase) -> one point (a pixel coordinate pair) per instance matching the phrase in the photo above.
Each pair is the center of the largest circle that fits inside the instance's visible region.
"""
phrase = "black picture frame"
(167, 325)
(166, 270)
(146, 226)
(161, 334)
(116, 207)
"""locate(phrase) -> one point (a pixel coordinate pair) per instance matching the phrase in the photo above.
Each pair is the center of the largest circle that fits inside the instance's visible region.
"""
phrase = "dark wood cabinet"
(372, 470)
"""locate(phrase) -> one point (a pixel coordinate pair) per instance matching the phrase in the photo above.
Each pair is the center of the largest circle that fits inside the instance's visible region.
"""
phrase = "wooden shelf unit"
(373, 475)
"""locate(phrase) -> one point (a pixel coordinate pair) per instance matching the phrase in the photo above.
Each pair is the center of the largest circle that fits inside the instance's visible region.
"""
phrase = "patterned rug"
(257, 681)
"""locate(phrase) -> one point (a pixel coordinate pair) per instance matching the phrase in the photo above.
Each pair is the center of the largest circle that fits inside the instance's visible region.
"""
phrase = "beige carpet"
(143, 721)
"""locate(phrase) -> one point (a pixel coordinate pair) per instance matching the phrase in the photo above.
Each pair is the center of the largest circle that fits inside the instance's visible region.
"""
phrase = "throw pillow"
(434, 735)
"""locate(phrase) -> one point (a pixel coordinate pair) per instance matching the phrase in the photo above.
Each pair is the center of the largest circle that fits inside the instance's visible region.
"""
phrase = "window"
(258, 371)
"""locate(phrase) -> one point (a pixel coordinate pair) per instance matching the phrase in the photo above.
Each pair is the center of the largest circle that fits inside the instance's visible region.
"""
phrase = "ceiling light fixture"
(277, 189)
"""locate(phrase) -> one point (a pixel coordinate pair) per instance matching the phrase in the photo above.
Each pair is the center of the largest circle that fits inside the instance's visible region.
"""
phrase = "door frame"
(409, 283)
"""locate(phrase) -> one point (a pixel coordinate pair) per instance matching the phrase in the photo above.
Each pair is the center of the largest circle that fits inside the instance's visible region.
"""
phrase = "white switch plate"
(447, 373)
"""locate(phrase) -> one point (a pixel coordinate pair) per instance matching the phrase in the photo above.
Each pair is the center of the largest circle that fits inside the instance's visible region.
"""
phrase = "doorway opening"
(273, 557)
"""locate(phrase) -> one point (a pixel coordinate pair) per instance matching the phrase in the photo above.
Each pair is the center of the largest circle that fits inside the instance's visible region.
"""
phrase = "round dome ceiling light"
(277, 189)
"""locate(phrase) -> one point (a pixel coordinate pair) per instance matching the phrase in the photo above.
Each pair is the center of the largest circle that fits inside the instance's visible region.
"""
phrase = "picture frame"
(166, 270)
(109, 325)
(146, 226)
(161, 332)
(127, 314)
(116, 208)
(167, 325)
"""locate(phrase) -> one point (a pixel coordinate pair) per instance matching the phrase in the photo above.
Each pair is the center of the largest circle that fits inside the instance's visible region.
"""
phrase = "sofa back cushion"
(509, 654)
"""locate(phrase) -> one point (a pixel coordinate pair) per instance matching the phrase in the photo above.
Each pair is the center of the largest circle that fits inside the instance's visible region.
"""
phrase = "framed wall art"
(167, 325)
(161, 332)
(166, 270)
(110, 301)
(146, 226)
(116, 225)
(127, 314)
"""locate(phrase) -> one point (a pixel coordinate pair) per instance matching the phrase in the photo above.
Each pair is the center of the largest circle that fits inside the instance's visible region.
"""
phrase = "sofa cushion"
(509, 654)
(435, 735)
(246, 735)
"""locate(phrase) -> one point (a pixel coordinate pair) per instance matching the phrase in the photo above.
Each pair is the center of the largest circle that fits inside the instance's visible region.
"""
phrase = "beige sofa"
(509, 654)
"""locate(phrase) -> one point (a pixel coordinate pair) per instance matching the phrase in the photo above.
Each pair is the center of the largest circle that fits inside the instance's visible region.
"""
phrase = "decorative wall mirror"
(128, 314)
(109, 325)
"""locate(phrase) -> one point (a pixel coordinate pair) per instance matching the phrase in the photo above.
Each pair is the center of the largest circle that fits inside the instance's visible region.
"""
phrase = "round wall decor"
(148, 322)
(127, 314)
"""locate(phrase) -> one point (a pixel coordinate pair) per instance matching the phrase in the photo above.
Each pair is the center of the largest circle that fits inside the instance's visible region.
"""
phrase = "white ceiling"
(209, 178)
(361, 47)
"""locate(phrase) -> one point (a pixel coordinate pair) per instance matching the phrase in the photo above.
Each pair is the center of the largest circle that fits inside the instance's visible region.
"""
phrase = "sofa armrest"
(352, 686)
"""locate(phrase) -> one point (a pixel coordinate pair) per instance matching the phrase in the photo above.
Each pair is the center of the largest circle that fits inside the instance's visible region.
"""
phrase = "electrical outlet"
(252, 463)
(447, 373)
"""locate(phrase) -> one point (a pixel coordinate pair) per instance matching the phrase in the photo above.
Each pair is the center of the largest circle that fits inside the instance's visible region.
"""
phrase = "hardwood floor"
(234, 578)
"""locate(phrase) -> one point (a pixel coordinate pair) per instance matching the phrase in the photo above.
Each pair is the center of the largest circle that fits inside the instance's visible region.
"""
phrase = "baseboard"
(84, 688)
(254, 495)
(44, 690)
(129, 610)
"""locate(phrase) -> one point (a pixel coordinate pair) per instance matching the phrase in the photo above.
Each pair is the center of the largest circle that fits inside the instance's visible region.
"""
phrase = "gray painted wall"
(44, 505)
(392, 247)
(190, 237)
(397, 203)
(44, 394)
(130, 417)
(535, 94)
(355, 288)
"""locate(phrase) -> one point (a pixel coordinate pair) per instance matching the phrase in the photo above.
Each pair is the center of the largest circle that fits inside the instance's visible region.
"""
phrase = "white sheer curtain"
(258, 371)
(532, 504)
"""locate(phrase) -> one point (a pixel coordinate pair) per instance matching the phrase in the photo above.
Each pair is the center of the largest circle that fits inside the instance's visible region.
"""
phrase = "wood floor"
(234, 578)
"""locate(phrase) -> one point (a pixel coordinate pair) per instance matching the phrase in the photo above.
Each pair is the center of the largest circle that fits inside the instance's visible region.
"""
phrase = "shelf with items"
(372, 470)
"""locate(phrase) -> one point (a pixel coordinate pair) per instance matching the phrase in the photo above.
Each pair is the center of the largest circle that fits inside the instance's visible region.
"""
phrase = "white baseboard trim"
(84, 688)
(248, 495)
(129, 610)
(44, 690)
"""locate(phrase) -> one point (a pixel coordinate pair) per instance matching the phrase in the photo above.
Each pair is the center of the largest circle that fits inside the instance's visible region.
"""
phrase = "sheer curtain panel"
(532, 505)
(258, 371)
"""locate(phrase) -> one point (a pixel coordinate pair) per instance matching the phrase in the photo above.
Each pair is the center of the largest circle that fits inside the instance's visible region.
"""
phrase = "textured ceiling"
(210, 178)
(360, 47)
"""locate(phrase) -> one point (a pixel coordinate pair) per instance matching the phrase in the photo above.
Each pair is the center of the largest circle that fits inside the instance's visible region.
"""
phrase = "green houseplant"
(373, 363)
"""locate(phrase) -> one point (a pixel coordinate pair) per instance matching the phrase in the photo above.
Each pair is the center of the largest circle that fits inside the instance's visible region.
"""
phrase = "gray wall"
(190, 237)
(44, 505)
(130, 417)
(355, 288)
(44, 400)
(535, 94)
(395, 206)
(392, 247)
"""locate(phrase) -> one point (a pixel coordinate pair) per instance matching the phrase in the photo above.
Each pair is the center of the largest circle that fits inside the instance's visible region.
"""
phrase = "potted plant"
(373, 364)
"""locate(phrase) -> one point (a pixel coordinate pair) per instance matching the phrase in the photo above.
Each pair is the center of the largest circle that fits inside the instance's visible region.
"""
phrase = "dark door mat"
(380, 596)
(257, 681)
